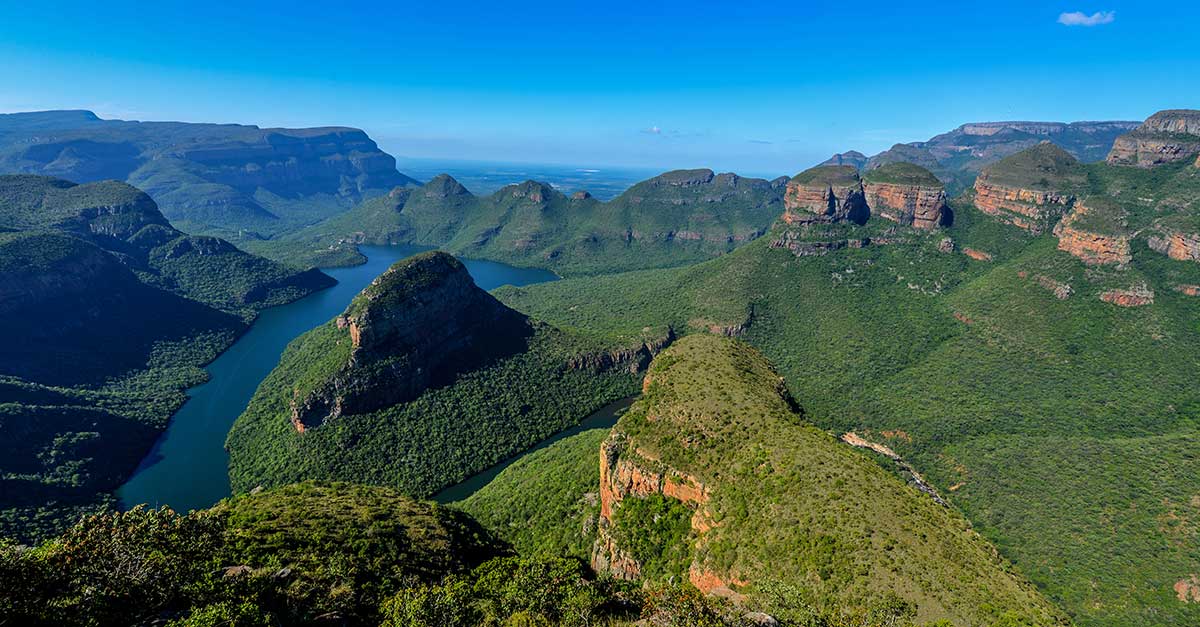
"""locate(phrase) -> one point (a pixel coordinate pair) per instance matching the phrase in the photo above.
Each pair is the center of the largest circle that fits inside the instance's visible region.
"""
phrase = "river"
(188, 467)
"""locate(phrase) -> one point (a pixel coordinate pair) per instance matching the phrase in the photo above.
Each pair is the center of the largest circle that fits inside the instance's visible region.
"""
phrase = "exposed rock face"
(633, 359)
(581, 195)
(1176, 244)
(801, 246)
(683, 178)
(1164, 137)
(418, 323)
(1029, 209)
(1136, 296)
(1092, 247)
(825, 194)
(621, 477)
(977, 255)
(919, 206)
(210, 171)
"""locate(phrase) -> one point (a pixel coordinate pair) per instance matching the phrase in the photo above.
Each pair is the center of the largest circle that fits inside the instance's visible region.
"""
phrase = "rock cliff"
(906, 193)
(1165, 137)
(825, 194)
(1031, 189)
(1176, 244)
(228, 176)
(416, 325)
(1095, 231)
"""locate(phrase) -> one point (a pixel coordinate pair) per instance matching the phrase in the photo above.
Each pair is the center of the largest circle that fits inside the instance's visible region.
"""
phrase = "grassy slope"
(545, 503)
(794, 506)
(865, 350)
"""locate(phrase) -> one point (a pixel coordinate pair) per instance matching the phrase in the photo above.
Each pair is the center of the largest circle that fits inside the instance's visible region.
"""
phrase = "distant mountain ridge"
(215, 178)
(958, 155)
(678, 217)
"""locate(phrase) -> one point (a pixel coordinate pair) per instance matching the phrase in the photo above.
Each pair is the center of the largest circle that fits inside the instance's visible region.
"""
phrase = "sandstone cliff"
(417, 324)
(1164, 137)
(1031, 189)
(1176, 244)
(1095, 231)
(906, 193)
(825, 194)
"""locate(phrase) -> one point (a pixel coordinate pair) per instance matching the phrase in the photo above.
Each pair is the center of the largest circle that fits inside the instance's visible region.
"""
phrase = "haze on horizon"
(756, 87)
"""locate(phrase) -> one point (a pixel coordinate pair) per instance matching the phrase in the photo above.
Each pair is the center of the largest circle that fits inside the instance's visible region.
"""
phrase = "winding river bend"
(188, 467)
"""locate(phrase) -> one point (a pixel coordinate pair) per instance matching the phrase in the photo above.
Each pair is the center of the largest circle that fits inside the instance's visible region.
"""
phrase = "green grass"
(901, 173)
(831, 175)
(789, 504)
(546, 502)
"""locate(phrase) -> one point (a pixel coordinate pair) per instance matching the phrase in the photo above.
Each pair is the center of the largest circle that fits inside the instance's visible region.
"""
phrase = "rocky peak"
(534, 191)
(1165, 137)
(581, 195)
(443, 186)
(417, 324)
(682, 178)
(853, 158)
(828, 193)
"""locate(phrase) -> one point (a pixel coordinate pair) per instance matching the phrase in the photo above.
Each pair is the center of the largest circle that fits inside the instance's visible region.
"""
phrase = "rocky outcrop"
(825, 194)
(1165, 137)
(1177, 245)
(919, 206)
(1029, 209)
(1093, 247)
(1136, 296)
(626, 472)
(977, 255)
(416, 325)
(801, 246)
(631, 359)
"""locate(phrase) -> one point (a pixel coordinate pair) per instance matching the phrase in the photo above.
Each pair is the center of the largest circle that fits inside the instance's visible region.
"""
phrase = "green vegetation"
(676, 218)
(901, 173)
(545, 503)
(218, 179)
(1044, 167)
(109, 314)
(973, 370)
(657, 532)
(787, 503)
(385, 399)
(832, 175)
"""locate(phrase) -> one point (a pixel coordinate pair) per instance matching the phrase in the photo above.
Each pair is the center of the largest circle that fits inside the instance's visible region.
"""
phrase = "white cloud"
(653, 130)
(1079, 18)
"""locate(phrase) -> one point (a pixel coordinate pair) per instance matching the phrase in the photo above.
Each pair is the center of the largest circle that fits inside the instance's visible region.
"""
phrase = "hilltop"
(763, 499)
(213, 178)
(431, 379)
(675, 218)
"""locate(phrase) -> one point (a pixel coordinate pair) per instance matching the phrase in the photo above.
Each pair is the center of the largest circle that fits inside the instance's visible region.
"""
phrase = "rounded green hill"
(902, 173)
(831, 175)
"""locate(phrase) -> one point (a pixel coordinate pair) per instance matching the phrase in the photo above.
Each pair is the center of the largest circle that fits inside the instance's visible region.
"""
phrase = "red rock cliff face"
(1176, 245)
(1092, 248)
(624, 474)
(919, 206)
(1028, 209)
(824, 203)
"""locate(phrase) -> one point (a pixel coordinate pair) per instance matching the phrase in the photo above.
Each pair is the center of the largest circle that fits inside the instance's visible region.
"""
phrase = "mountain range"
(880, 392)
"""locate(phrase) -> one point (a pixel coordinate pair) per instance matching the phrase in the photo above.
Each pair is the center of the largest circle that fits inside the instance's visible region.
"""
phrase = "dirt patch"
(1188, 589)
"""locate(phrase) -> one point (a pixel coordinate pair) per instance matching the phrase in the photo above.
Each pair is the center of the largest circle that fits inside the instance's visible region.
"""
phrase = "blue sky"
(757, 87)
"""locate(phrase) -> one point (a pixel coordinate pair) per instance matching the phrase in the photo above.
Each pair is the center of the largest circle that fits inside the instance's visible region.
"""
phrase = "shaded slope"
(423, 381)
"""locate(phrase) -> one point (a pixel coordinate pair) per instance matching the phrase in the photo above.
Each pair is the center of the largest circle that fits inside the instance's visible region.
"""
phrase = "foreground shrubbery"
(337, 554)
